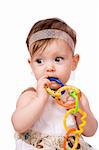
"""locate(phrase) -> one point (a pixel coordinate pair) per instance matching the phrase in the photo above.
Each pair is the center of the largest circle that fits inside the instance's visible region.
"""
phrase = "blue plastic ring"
(58, 81)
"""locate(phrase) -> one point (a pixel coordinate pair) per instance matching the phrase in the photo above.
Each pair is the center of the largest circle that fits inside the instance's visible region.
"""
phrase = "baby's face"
(56, 60)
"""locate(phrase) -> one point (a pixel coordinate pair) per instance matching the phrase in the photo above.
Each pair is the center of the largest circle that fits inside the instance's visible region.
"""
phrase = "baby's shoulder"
(26, 96)
(30, 89)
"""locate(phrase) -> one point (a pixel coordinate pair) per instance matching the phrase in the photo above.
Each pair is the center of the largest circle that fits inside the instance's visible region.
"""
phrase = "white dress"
(50, 122)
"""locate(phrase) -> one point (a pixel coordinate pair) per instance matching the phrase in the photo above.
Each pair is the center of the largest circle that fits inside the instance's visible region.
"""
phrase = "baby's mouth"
(54, 85)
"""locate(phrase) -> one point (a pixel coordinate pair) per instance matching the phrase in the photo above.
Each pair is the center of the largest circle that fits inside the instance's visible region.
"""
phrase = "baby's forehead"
(57, 46)
(52, 48)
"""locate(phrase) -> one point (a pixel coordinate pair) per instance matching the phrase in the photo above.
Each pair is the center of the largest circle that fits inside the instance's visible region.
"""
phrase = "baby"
(38, 119)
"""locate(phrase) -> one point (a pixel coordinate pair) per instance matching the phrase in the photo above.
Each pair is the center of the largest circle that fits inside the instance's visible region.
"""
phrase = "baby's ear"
(75, 61)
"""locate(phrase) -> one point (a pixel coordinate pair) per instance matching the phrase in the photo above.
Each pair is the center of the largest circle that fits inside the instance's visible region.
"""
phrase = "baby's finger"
(44, 77)
(70, 98)
(47, 83)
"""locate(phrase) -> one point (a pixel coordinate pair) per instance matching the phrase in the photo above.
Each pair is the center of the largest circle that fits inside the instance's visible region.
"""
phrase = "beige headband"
(51, 33)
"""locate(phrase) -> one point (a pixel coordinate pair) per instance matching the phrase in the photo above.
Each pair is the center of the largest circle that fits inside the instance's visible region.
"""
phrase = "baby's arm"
(30, 106)
(91, 123)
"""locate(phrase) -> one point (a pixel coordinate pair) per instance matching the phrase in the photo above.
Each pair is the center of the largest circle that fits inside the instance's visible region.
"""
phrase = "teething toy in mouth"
(72, 108)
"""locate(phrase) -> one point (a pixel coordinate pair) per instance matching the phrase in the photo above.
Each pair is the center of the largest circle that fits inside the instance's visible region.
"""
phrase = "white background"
(16, 19)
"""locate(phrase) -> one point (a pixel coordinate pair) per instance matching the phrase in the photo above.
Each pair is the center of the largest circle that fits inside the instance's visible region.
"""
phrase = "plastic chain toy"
(72, 108)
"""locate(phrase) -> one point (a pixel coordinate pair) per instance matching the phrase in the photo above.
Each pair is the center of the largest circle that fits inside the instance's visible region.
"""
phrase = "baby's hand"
(41, 90)
(69, 100)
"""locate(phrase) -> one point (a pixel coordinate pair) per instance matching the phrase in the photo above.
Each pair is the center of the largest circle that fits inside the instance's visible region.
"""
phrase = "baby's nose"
(50, 68)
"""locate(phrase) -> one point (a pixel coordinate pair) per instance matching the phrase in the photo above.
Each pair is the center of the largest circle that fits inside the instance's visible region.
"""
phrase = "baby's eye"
(58, 59)
(39, 61)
